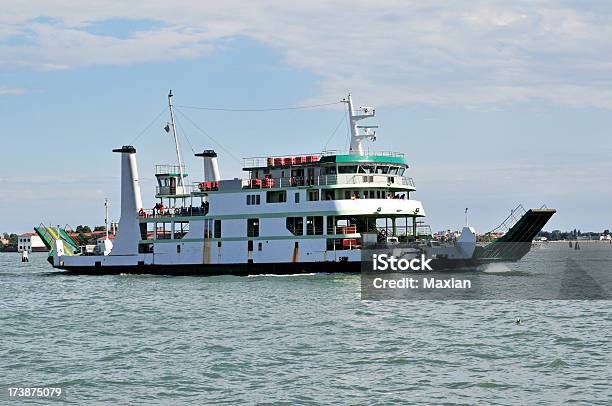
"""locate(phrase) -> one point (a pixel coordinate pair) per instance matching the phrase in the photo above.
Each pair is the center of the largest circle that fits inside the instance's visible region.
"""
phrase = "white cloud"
(13, 91)
(397, 52)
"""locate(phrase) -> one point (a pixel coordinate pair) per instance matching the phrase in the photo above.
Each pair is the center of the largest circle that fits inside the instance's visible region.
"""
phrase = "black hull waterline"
(292, 268)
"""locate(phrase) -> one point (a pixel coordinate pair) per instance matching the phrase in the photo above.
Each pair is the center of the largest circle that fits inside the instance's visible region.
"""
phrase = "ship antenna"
(354, 116)
(176, 142)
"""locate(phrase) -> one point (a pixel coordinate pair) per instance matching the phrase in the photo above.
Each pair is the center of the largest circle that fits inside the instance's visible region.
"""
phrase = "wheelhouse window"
(366, 168)
(279, 196)
(295, 225)
(382, 169)
(253, 228)
(347, 169)
(329, 170)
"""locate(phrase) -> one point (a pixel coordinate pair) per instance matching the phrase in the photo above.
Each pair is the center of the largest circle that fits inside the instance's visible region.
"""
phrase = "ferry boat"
(315, 212)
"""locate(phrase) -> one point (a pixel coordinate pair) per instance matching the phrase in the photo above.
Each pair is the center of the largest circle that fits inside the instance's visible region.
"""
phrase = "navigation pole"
(176, 142)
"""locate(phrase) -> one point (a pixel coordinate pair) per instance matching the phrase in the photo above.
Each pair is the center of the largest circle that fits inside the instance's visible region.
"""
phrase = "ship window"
(250, 248)
(401, 171)
(295, 225)
(164, 231)
(329, 170)
(297, 197)
(314, 225)
(217, 233)
(329, 195)
(276, 196)
(253, 199)
(180, 229)
(347, 169)
(259, 247)
(367, 169)
(347, 194)
(313, 195)
(393, 170)
(253, 228)
(208, 228)
(178, 249)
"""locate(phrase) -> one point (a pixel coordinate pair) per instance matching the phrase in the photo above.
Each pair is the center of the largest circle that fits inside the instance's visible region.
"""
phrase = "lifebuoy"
(141, 212)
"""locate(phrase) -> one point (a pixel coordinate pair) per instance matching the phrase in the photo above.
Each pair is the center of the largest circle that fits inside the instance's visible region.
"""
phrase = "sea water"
(306, 339)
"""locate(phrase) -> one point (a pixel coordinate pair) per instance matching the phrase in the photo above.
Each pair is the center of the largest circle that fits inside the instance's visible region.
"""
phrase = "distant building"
(30, 242)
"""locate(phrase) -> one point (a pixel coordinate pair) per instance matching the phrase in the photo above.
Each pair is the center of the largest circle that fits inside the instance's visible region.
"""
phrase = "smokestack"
(211, 166)
(128, 235)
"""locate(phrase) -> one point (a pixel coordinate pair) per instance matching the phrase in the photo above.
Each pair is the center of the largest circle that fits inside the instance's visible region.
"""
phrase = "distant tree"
(13, 239)
(606, 232)
(99, 228)
(6, 236)
(83, 229)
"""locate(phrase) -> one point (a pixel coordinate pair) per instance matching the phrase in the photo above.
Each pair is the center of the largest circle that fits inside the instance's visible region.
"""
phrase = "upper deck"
(319, 159)
(330, 169)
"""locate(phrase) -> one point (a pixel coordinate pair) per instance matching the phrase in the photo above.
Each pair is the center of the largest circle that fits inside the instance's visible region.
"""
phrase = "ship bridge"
(332, 169)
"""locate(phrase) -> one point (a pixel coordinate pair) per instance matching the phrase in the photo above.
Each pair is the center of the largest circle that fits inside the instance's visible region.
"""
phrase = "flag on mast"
(167, 127)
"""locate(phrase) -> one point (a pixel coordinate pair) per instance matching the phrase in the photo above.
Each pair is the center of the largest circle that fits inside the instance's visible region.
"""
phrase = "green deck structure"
(49, 234)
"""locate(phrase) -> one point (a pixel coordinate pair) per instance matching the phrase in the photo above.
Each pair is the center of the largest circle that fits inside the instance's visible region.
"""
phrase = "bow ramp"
(49, 234)
(520, 229)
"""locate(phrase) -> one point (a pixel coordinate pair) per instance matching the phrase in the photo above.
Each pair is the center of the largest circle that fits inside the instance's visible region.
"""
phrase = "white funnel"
(128, 235)
(211, 166)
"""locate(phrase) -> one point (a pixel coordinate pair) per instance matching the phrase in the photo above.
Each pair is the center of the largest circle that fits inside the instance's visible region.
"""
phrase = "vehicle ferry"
(290, 214)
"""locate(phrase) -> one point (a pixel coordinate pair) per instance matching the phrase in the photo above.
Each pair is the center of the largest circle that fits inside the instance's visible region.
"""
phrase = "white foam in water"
(497, 268)
(281, 276)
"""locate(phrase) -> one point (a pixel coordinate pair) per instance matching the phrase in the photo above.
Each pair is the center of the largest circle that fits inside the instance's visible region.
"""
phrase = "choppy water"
(292, 340)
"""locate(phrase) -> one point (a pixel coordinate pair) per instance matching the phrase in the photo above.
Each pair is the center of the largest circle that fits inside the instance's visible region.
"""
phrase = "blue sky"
(494, 104)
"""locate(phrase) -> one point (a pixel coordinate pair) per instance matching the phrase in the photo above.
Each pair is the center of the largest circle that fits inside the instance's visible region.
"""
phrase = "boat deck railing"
(330, 180)
(263, 162)
(510, 221)
(169, 170)
(177, 190)
(173, 212)
(392, 154)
